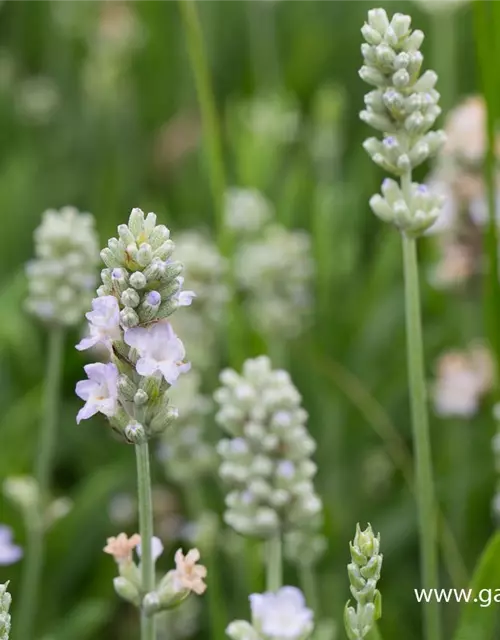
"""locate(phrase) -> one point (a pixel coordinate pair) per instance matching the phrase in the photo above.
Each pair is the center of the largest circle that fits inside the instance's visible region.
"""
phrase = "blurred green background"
(98, 109)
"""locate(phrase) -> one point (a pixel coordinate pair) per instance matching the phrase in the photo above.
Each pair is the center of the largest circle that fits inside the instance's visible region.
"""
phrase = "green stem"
(209, 557)
(308, 584)
(146, 531)
(487, 20)
(263, 41)
(210, 122)
(445, 55)
(33, 563)
(215, 166)
(274, 569)
(426, 502)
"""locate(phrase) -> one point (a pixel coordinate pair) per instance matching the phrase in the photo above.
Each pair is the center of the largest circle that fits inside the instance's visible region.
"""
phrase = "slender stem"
(146, 531)
(215, 166)
(308, 584)
(487, 18)
(206, 99)
(218, 615)
(33, 563)
(426, 503)
(274, 569)
(445, 55)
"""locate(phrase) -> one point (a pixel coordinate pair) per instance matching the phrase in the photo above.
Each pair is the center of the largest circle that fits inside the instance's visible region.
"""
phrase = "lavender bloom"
(184, 298)
(160, 350)
(100, 391)
(9, 552)
(104, 323)
(282, 614)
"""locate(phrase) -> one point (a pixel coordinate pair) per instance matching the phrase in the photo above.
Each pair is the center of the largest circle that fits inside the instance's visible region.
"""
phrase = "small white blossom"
(160, 350)
(156, 548)
(184, 298)
(104, 323)
(281, 615)
(9, 552)
(100, 391)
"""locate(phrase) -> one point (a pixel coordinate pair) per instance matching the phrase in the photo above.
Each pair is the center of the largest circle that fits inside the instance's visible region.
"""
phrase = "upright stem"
(146, 531)
(308, 584)
(206, 99)
(426, 502)
(274, 569)
(444, 53)
(33, 563)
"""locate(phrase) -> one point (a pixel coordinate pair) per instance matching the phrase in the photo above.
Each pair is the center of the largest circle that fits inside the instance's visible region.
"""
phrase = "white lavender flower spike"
(5, 600)
(275, 616)
(141, 286)
(403, 106)
(267, 461)
(62, 276)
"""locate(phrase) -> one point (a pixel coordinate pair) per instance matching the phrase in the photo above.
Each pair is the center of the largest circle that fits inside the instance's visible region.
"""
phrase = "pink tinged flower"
(9, 552)
(188, 574)
(121, 546)
(104, 323)
(160, 350)
(100, 391)
(281, 615)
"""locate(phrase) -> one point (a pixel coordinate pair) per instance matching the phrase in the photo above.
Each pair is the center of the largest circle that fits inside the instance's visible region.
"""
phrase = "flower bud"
(127, 590)
(130, 298)
(135, 433)
(128, 318)
(138, 280)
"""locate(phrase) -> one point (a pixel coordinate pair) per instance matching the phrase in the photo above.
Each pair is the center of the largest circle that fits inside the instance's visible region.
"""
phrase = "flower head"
(9, 552)
(281, 615)
(100, 391)
(121, 546)
(160, 350)
(104, 323)
(188, 574)
(62, 276)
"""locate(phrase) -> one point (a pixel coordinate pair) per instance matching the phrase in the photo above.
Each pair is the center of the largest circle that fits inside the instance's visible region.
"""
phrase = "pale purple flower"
(160, 350)
(281, 615)
(156, 548)
(104, 323)
(100, 391)
(9, 552)
(184, 298)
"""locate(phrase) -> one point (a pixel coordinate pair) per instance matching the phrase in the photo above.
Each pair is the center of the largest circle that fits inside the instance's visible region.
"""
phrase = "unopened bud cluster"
(184, 449)
(141, 287)
(404, 107)
(364, 573)
(62, 276)
(5, 600)
(266, 462)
